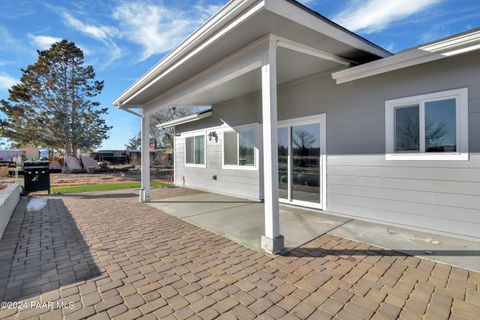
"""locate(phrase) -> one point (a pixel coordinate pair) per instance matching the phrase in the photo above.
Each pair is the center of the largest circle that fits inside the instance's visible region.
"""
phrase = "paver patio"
(114, 257)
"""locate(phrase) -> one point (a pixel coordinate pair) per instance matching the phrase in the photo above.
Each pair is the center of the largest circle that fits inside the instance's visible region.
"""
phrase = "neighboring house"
(308, 113)
(10, 154)
(30, 152)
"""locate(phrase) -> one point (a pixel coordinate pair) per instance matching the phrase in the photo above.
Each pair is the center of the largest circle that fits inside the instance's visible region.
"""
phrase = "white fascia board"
(247, 59)
(301, 16)
(431, 52)
(398, 61)
(198, 41)
(299, 47)
(187, 119)
(467, 40)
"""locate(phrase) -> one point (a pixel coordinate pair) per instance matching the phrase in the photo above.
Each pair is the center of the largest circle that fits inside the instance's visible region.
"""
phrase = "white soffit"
(441, 49)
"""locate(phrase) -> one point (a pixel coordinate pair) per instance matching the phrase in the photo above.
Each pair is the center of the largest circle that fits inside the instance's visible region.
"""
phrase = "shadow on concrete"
(49, 252)
(313, 252)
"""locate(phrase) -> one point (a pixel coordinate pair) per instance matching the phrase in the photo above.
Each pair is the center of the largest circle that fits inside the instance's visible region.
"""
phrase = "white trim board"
(314, 119)
(193, 135)
(461, 97)
(257, 141)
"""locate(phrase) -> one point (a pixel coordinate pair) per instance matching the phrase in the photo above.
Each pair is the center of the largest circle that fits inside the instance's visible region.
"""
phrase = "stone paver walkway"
(106, 256)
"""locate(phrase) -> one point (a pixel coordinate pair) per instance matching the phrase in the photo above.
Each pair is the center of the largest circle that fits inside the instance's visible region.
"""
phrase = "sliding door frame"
(316, 119)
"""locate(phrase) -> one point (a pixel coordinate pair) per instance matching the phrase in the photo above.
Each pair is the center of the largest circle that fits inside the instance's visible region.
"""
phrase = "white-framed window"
(195, 150)
(428, 127)
(239, 149)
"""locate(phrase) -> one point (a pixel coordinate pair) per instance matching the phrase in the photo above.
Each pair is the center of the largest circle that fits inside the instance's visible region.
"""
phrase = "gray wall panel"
(436, 195)
(241, 183)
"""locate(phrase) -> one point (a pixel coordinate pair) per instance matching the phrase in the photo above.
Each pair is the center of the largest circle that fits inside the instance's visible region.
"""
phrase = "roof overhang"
(441, 49)
(194, 117)
(238, 23)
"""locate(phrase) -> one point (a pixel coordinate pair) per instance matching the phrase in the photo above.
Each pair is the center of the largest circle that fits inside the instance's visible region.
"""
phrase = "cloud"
(103, 34)
(43, 42)
(10, 43)
(94, 31)
(6, 81)
(155, 27)
(158, 28)
(375, 15)
(207, 10)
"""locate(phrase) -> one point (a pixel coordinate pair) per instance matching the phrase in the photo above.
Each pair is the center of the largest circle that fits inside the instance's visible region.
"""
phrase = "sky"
(122, 39)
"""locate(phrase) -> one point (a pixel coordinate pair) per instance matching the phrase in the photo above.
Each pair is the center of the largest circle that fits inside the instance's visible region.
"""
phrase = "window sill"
(233, 167)
(427, 156)
(189, 165)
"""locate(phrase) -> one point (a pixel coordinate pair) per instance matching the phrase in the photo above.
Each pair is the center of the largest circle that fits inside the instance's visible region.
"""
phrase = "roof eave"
(455, 45)
(231, 12)
(217, 21)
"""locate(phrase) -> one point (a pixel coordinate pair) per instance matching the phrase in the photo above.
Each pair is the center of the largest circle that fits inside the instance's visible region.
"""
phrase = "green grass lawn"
(106, 187)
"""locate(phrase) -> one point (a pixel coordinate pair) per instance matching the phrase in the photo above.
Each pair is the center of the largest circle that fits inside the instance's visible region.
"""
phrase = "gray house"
(307, 113)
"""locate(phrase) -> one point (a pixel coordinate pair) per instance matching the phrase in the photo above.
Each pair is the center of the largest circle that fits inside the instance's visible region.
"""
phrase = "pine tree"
(134, 143)
(52, 106)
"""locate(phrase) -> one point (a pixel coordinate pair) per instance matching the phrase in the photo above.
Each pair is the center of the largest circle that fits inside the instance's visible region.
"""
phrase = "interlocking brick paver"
(86, 250)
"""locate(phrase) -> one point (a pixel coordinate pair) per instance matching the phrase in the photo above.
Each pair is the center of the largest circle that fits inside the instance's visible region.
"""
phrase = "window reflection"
(306, 163)
(246, 148)
(407, 130)
(440, 126)
(283, 163)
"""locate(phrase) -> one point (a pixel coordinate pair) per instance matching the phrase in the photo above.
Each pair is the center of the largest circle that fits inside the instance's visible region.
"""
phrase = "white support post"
(272, 241)
(145, 133)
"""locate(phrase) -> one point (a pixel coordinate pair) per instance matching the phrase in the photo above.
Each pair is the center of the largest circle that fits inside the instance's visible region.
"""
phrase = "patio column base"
(274, 245)
(144, 195)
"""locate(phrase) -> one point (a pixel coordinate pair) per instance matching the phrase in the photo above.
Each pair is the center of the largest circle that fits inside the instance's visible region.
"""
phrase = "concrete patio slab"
(200, 203)
(243, 221)
(442, 248)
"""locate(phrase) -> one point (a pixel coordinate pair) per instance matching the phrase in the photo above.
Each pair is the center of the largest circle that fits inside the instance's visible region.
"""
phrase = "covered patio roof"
(239, 74)
(239, 24)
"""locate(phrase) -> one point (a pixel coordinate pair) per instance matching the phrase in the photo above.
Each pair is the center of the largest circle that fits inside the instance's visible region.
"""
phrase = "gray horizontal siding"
(437, 195)
(372, 209)
(400, 184)
(240, 183)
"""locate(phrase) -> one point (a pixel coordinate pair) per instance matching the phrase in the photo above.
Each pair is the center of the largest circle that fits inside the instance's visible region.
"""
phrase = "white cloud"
(374, 15)
(208, 10)
(97, 32)
(43, 42)
(158, 28)
(104, 34)
(155, 27)
(6, 81)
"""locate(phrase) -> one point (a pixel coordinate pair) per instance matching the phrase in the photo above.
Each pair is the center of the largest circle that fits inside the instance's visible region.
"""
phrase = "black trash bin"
(36, 176)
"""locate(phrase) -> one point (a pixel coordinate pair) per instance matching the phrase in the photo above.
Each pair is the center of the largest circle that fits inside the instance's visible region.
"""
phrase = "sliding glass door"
(300, 161)
(305, 164)
(283, 159)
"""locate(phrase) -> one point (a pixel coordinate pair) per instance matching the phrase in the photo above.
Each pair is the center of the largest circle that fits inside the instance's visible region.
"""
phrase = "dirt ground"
(65, 179)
